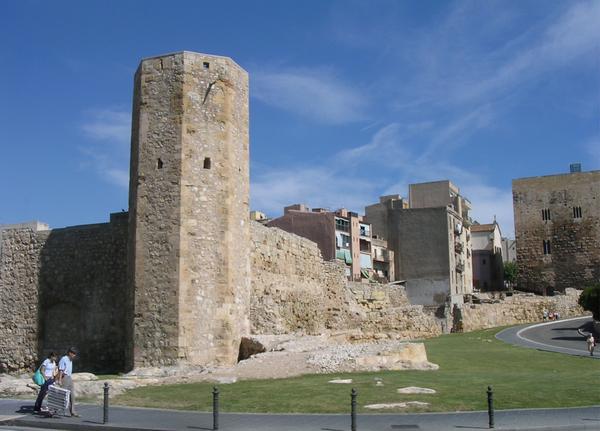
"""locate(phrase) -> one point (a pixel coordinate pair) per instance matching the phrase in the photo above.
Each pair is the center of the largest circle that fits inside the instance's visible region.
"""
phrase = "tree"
(590, 300)
(510, 272)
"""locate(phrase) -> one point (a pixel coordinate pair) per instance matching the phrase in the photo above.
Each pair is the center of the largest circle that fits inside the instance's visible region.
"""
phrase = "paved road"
(562, 336)
(585, 418)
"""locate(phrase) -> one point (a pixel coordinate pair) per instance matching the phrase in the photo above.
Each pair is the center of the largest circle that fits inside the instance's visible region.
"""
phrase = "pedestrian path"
(127, 419)
(561, 336)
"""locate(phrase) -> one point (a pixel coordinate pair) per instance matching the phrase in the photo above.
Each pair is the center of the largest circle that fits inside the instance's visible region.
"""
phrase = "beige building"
(488, 267)
(430, 239)
(509, 250)
(557, 228)
(342, 235)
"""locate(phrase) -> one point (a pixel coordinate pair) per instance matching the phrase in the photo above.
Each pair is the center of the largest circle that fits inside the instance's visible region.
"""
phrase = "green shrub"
(510, 272)
(590, 300)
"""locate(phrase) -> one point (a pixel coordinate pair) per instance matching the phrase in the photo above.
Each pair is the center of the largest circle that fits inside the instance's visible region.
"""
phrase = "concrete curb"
(109, 427)
(73, 426)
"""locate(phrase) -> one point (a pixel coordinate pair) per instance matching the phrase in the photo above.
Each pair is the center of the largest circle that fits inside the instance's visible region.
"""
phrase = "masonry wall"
(64, 287)
(520, 308)
(574, 260)
(295, 291)
(19, 293)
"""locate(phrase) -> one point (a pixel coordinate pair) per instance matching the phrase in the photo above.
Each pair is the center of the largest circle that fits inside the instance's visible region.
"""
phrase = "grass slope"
(522, 378)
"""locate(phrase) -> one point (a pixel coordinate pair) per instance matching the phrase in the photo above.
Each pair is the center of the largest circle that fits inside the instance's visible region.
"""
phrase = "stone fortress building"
(557, 228)
(185, 275)
(189, 205)
(170, 281)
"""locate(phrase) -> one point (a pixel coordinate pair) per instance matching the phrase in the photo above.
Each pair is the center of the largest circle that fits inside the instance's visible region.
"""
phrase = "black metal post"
(353, 410)
(105, 412)
(490, 399)
(215, 393)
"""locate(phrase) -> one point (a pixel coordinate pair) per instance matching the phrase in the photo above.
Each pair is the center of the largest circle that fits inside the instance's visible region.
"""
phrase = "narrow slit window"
(546, 214)
(207, 163)
(547, 246)
(159, 163)
(206, 65)
(576, 212)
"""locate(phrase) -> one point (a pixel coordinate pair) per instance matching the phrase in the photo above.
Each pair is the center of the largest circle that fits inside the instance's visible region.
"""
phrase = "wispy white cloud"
(316, 94)
(322, 186)
(107, 150)
(108, 125)
(353, 178)
(573, 34)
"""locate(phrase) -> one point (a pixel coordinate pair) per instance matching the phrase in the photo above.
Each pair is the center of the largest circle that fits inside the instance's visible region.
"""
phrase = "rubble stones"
(415, 390)
(402, 405)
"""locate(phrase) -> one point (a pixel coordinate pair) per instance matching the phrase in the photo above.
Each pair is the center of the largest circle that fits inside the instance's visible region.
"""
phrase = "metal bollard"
(215, 393)
(353, 410)
(490, 399)
(105, 412)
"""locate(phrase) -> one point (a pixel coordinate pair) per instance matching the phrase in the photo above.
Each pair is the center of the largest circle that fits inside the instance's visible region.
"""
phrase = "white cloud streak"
(107, 151)
(108, 125)
(317, 95)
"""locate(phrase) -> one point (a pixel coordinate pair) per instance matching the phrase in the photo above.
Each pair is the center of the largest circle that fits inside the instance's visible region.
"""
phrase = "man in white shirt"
(65, 371)
(48, 370)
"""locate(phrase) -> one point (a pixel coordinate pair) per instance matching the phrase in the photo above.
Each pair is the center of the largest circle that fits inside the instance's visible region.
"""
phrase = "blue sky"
(349, 99)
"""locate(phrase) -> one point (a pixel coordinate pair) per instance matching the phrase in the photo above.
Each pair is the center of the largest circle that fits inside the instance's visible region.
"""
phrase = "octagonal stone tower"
(188, 202)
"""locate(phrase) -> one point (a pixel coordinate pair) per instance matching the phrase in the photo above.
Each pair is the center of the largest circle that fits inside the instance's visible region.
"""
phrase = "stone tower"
(189, 229)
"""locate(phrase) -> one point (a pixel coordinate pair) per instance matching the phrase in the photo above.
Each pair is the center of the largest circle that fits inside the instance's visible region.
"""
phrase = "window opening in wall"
(547, 246)
(546, 214)
(343, 225)
(206, 64)
(576, 212)
(207, 163)
(159, 164)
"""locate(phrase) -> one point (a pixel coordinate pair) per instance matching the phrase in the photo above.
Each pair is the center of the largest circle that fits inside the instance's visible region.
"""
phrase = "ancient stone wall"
(19, 275)
(64, 287)
(295, 291)
(519, 308)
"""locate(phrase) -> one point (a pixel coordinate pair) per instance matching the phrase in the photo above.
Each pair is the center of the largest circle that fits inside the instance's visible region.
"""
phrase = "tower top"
(189, 54)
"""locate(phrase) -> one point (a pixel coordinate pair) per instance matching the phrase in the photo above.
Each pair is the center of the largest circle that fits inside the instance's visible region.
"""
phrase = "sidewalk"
(18, 413)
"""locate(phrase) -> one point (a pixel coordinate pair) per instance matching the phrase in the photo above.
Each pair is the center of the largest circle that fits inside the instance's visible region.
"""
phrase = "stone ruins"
(184, 276)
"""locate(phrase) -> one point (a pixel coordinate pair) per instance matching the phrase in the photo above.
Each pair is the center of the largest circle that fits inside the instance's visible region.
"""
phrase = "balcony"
(458, 247)
(381, 256)
(460, 267)
(467, 222)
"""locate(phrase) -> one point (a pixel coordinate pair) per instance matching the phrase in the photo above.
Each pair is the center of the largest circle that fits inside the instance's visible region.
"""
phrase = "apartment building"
(430, 238)
(342, 235)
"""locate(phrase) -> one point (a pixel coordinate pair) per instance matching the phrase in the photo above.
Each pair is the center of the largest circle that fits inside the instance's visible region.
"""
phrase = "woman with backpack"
(48, 369)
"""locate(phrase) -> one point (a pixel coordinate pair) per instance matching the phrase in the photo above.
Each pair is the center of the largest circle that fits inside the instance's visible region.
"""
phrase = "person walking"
(591, 343)
(65, 380)
(48, 370)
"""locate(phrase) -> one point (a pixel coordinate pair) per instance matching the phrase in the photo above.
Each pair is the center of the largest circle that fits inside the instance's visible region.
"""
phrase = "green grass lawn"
(522, 378)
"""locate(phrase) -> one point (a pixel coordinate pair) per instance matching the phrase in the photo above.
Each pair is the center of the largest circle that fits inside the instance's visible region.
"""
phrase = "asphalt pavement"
(17, 413)
(561, 336)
